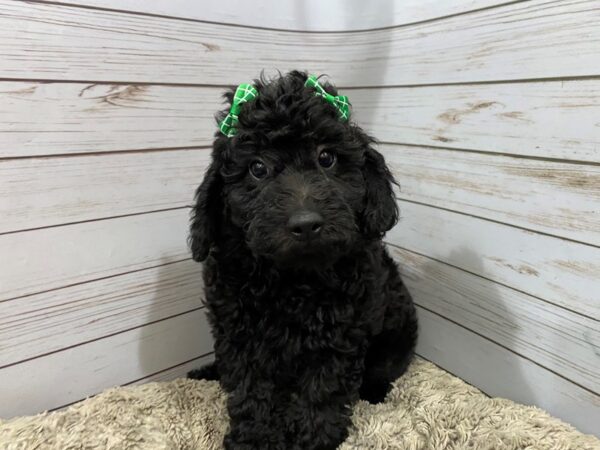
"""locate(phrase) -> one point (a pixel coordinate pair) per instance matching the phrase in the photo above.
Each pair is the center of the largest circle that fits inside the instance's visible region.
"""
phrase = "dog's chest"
(296, 322)
(288, 325)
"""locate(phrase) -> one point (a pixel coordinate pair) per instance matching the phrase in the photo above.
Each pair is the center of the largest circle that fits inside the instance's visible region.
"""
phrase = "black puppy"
(306, 306)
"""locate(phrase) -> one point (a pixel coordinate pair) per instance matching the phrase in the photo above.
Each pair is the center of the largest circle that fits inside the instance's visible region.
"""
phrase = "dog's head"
(302, 186)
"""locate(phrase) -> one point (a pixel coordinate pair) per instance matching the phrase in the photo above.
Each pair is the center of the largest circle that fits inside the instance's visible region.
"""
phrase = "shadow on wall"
(476, 305)
(175, 332)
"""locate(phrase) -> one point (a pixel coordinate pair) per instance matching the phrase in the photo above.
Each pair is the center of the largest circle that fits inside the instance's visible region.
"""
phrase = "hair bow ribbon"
(341, 102)
(244, 93)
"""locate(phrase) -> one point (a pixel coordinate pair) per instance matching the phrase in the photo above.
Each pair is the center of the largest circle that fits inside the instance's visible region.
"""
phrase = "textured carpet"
(428, 409)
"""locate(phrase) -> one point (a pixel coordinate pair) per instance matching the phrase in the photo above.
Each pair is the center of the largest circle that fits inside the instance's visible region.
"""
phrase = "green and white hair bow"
(246, 93)
(341, 102)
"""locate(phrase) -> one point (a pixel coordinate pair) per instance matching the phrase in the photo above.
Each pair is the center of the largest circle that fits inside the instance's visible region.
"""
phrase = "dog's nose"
(305, 224)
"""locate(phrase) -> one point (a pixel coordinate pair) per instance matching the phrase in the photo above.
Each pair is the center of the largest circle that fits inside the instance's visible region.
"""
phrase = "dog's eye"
(258, 169)
(326, 159)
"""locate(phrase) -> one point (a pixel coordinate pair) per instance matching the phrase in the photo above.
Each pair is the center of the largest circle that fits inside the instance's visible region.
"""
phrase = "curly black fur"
(303, 327)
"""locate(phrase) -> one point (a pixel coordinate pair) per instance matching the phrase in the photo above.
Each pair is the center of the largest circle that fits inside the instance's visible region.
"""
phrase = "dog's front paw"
(207, 372)
(374, 392)
(269, 440)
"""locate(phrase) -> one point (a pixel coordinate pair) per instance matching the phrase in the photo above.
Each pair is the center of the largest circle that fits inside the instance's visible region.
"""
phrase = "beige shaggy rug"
(428, 409)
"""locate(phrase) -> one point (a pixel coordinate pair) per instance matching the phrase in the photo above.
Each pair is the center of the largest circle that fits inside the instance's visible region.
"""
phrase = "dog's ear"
(381, 210)
(206, 213)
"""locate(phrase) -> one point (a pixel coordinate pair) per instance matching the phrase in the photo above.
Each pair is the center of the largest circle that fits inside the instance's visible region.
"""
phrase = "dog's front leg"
(312, 426)
(391, 350)
(251, 406)
(318, 412)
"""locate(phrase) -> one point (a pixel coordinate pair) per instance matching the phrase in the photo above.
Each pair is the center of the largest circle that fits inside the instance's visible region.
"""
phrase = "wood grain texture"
(559, 340)
(547, 119)
(499, 372)
(50, 258)
(58, 118)
(302, 15)
(52, 191)
(562, 272)
(70, 375)
(557, 119)
(503, 188)
(52, 321)
(178, 371)
(78, 298)
(540, 38)
(89, 184)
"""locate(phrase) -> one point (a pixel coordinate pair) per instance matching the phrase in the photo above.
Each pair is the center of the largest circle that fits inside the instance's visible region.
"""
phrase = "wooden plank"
(308, 15)
(178, 371)
(58, 118)
(564, 342)
(86, 251)
(540, 38)
(501, 373)
(52, 321)
(557, 119)
(559, 271)
(548, 119)
(70, 375)
(52, 191)
(503, 188)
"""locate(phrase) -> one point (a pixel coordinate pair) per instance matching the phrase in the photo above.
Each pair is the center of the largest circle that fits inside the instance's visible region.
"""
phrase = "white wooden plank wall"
(488, 113)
